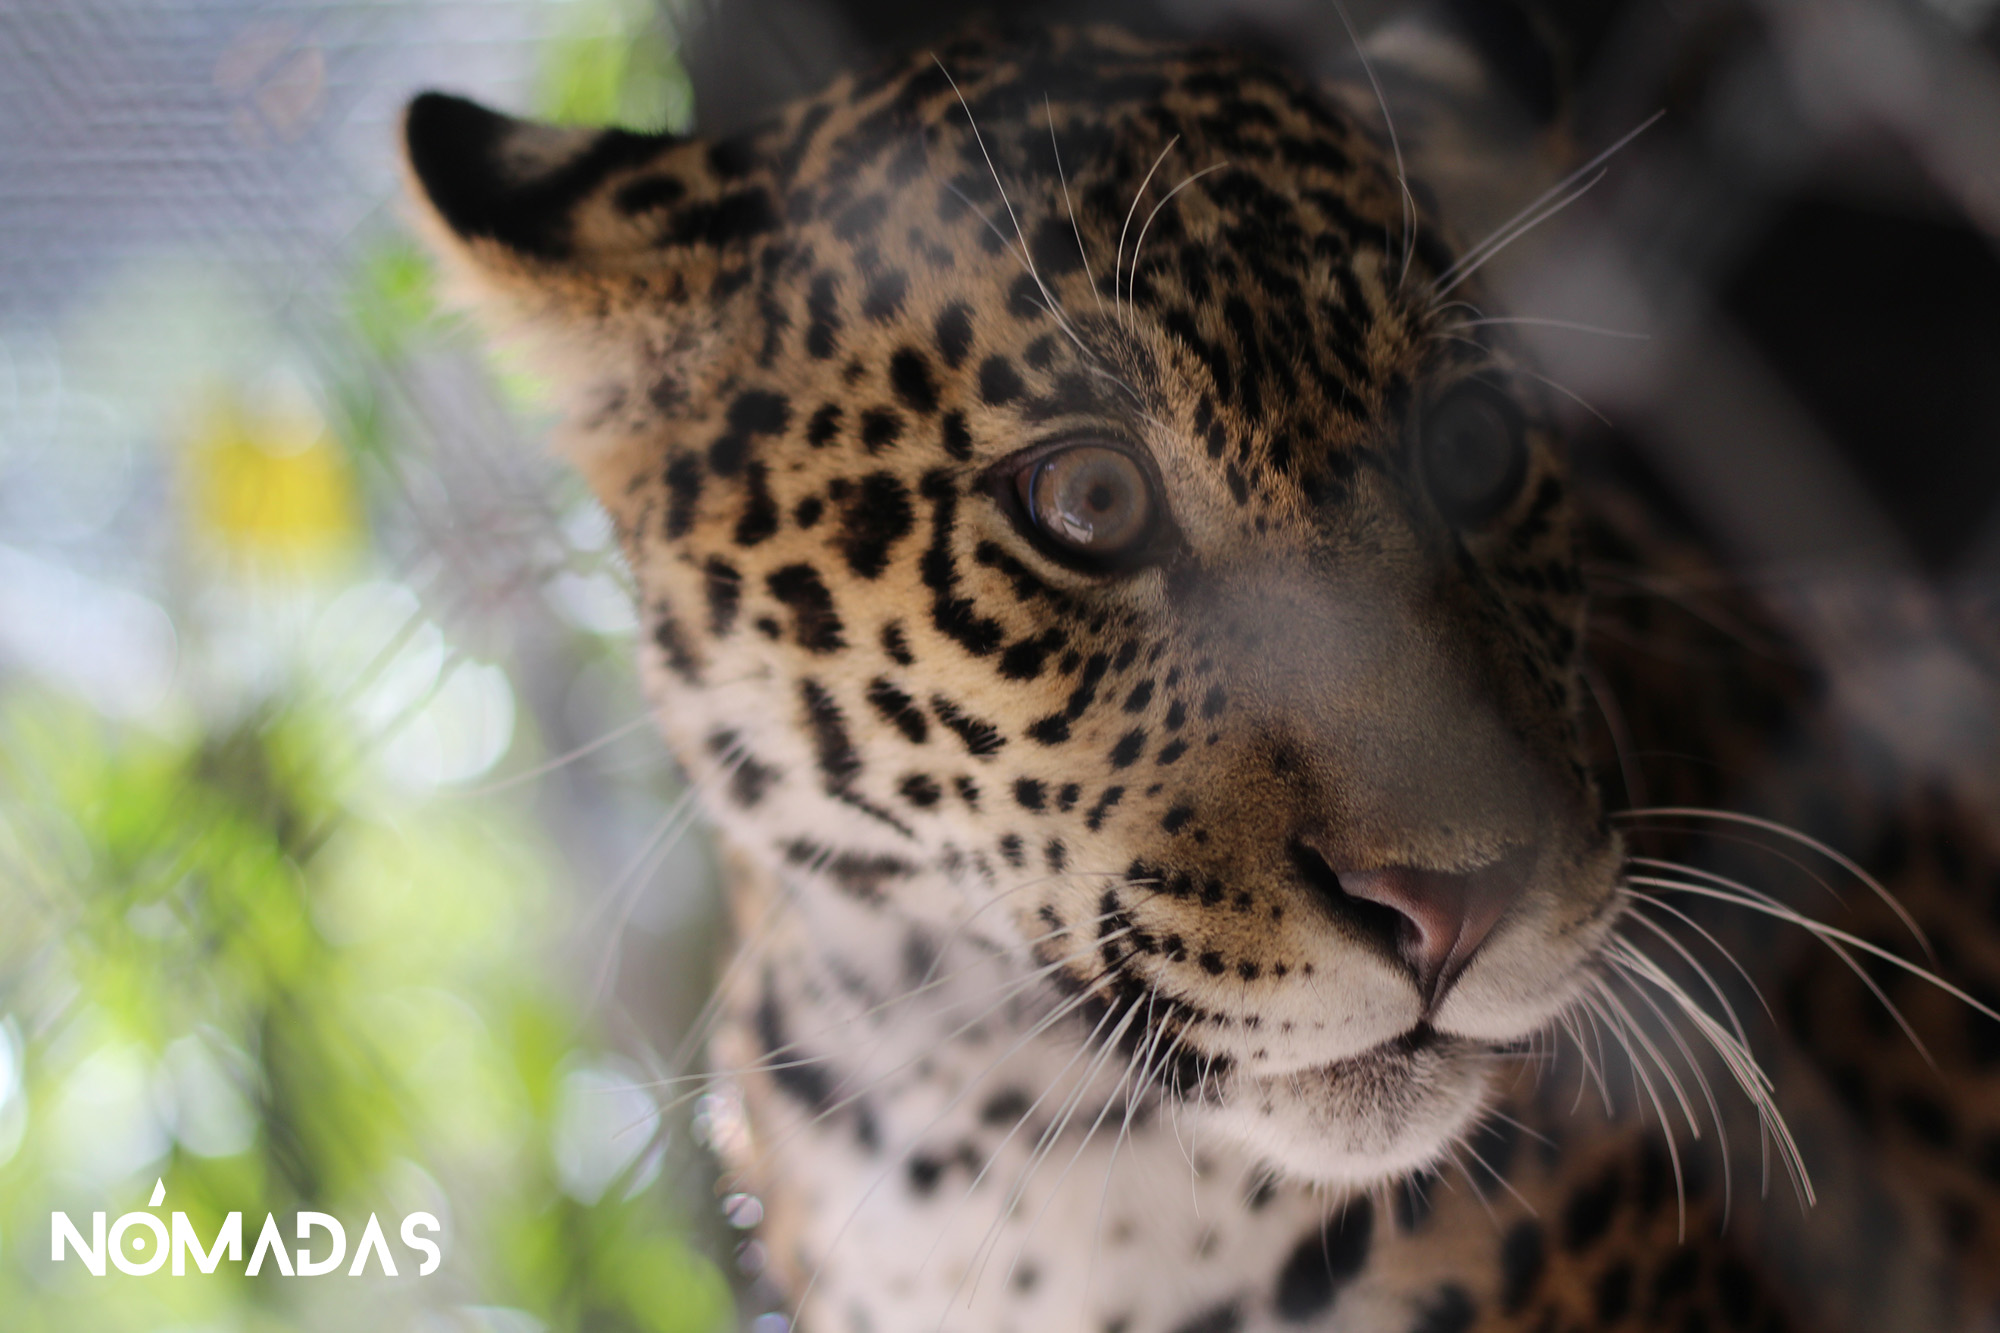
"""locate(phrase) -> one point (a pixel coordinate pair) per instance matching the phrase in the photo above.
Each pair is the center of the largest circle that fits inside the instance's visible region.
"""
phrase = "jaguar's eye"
(1088, 500)
(1474, 453)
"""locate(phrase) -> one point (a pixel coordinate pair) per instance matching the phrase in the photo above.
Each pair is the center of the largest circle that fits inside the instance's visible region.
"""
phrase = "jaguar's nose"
(1441, 917)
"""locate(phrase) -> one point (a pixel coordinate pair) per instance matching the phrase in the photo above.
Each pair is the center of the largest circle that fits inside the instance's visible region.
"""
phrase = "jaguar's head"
(1071, 495)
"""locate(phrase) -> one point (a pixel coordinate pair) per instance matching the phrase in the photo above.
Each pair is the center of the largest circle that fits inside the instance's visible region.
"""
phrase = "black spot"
(1005, 1107)
(968, 791)
(647, 193)
(1613, 1296)
(1176, 818)
(806, 513)
(1224, 1318)
(875, 516)
(1926, 1117)
(884, 297)
(924, 1171)
(1325, 1261)
(803, 1079)
(760, 512)
(1030, 794)
(998, 382)
(814, 622)
(953, 331)
(1051, 730)
(957, 439)
(910, 375)
(899, 709)
(1011, 850)
(1141, 695)
(1094, 820)
(824, 426)
(1211, 963)
(1054, 855)
(673, 645)
(895, 644)
(920, 790)
(684, 477)
(1066, 798)
(1449, 1310)
(981, 738)
(1171, 751)
(1591, 1210)
(724, 588)
(880, 428)
(1214, 701)
(832, 748)
(735, 217)
(1523, 1258)
(1128, 749)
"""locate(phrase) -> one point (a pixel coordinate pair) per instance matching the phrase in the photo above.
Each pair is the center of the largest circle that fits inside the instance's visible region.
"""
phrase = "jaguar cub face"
(1067, 514)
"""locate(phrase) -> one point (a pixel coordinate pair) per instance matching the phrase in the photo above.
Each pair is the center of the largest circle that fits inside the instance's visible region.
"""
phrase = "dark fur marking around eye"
(1324, 1261)
(815, 623)
(956, 437)
(880, 428)
(877, 516)
(759, 519)
(910, 375)
(723, 584)
(953, 332)
(1030, 794)
(953, 615)
(981, 738)
(684, 482)
(895, 644)
(898, 709)
(999, 384)
(921, 790)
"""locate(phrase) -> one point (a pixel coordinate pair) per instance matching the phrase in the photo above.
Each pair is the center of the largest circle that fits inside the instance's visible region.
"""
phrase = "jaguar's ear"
(549, 221)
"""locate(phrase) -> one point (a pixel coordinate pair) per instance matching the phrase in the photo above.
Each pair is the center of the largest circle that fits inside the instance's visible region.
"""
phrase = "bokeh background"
(338, 867)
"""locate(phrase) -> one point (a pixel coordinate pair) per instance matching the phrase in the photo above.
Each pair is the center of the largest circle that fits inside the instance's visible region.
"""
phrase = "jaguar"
(1164, 695)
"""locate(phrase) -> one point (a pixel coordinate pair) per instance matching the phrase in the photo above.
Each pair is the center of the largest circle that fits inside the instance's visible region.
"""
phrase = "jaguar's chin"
(1391, 1110)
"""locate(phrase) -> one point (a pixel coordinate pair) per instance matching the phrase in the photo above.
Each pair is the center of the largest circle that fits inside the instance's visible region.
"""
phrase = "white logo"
(140, 1243)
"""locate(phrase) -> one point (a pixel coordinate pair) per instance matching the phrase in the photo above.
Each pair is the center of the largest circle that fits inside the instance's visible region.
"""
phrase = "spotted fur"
(1052, 1010)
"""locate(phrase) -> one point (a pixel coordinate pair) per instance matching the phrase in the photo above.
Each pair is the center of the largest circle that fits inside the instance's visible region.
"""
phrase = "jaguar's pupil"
(1100, 497)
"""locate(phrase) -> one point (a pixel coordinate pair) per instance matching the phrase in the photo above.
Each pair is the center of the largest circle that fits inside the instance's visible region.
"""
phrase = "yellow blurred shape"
(268, 483)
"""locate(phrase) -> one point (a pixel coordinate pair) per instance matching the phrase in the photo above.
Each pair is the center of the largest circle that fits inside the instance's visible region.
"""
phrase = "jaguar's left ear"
(552, 223)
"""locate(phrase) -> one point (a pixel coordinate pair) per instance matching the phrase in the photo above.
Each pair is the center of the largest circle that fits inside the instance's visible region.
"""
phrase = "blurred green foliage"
(237, 957)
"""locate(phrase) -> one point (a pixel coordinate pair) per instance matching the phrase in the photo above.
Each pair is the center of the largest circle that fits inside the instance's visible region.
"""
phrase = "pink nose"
(1444, 915)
